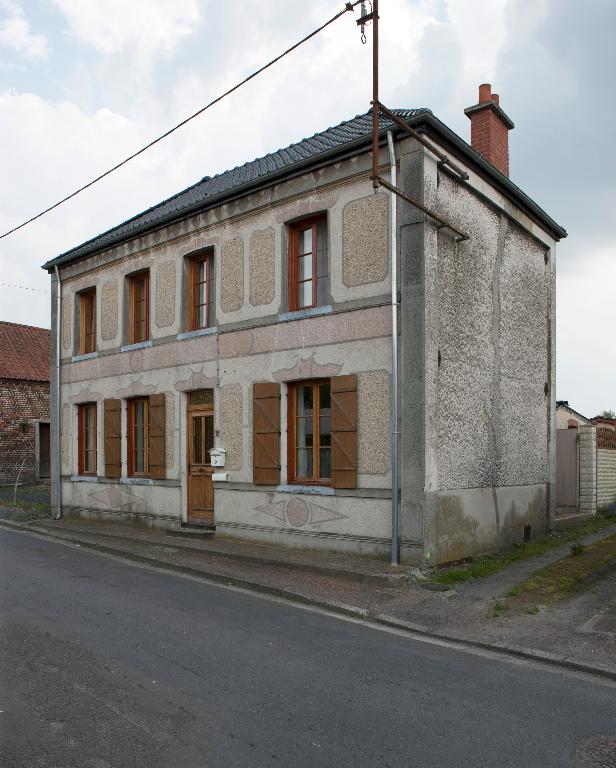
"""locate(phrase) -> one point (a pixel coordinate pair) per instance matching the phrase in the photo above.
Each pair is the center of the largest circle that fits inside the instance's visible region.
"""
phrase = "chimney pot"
(485, 93)
(490, 127)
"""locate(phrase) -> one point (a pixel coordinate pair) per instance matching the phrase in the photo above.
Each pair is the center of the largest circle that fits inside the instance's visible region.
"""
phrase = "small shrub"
(576, 548)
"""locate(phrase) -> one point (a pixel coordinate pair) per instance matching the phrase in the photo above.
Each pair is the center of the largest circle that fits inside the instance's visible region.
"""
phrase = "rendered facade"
(252, 313)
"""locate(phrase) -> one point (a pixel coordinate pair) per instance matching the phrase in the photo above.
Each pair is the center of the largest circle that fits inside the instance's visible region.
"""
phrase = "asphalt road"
(107, 664)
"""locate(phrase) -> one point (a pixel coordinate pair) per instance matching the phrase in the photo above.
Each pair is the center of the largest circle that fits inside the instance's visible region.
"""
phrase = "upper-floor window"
(308, 271)
(310, 439)
(87, 321)
(86, 438)
(139, 307)
(138, 436)
(198, 292)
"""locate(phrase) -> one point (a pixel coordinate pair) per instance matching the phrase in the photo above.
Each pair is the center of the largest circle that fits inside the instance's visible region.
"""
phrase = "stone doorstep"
(349, 567)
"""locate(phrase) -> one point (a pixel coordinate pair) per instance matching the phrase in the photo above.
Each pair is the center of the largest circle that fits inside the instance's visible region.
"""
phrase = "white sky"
(85, 82)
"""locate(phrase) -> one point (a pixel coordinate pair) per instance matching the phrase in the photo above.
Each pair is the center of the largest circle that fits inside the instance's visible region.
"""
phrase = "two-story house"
(252, 313)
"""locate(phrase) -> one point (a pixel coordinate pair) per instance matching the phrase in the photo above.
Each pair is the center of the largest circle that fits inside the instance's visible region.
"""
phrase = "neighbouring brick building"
(24, 403)
(251, 313)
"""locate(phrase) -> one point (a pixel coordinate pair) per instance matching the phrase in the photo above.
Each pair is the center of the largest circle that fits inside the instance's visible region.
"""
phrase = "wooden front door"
(200, 418)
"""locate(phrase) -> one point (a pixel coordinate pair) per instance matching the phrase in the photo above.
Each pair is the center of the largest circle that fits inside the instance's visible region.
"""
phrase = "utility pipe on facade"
(57, 388)
(395, 549)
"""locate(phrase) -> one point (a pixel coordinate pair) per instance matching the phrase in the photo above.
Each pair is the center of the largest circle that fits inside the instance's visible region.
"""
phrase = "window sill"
(198, 332)
(86, 356)
(313, 490)
(140, 345)
(84, 479)
(301, 313)
(136, 481)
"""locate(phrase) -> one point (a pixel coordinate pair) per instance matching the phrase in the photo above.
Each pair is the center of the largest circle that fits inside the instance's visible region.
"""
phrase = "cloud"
(15, 32)
(151, 27)
(133, 69)
(586, 366)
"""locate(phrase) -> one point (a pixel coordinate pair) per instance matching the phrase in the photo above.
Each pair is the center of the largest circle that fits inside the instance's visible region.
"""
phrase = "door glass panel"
(209, 435)
(197, 439)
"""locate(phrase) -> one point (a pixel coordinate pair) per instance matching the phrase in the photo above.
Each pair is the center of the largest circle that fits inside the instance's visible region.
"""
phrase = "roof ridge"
(329, 138)
(25, 325)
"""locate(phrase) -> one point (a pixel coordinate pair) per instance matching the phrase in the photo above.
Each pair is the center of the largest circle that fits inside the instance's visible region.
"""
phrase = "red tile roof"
(24, 352)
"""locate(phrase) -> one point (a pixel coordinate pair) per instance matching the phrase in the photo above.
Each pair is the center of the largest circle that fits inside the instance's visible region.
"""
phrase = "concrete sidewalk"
(579, 633)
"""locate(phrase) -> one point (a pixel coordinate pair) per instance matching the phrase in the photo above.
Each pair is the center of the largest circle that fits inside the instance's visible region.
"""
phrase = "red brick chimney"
(489, 129)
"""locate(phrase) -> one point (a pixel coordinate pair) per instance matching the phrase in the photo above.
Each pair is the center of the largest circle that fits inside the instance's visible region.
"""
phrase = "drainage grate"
(597, 750)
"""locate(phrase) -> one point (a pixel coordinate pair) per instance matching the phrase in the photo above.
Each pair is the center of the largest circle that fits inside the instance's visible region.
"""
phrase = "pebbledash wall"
(476, 352)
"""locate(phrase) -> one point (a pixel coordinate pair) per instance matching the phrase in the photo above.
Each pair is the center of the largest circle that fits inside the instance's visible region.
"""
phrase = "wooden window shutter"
(266, 433)
(344, 431)
(112, 434)
(157, 437)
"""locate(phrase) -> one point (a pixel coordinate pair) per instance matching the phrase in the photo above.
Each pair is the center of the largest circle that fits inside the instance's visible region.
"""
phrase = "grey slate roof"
(331, 142)
(212, 187)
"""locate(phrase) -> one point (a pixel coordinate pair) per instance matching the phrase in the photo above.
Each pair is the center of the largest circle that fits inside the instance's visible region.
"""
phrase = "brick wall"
(22, 403)
(606, 476)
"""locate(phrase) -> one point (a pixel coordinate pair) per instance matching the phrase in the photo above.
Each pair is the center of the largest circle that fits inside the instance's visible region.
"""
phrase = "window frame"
(194, 262)
(130, 436)
(143, 275)
(87, 299)
(82, 449)
(295, 228)
(293, 388)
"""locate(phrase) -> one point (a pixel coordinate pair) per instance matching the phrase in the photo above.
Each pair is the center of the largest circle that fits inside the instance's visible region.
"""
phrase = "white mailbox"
(217, 457)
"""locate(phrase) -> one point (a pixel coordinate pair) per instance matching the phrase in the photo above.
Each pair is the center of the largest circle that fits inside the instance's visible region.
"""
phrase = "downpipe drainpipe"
(57, 387)
(395, 547)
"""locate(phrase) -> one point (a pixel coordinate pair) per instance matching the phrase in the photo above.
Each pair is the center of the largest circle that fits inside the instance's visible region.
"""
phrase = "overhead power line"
(22, 287)
(348, 7)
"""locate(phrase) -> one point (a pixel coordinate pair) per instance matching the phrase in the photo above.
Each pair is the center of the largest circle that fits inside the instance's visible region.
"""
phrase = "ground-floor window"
(310, 432)
(138, 436)
(86, 439)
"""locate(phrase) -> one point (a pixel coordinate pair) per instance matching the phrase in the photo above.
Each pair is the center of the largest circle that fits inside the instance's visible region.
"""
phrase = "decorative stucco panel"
(262, 267)
(231, 424)
(65, 436)
(109, 310)
(232, 276)
(374, 416)
(66, 321)
(165, 294)
(365, 257)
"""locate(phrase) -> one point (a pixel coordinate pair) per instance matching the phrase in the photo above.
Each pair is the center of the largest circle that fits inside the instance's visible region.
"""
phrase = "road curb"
(342, 609)
(383, 579)
(529, 654)
(213, 576)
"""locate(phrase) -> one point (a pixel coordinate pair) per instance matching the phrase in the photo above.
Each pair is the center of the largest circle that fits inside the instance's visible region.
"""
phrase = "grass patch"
(559, 580)
(485, 566)
(33, 512)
